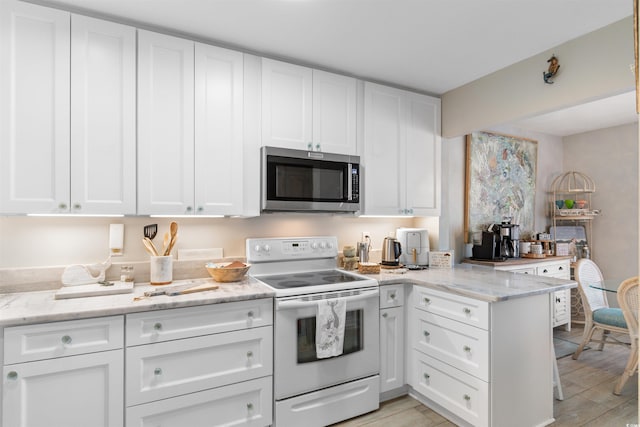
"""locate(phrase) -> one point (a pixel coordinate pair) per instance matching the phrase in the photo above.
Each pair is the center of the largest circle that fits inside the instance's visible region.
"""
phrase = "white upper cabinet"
(34, 108)
(307, 109)
(402, 158)
(190, 127)
(165, 124)
(218, 130)
(103, 117)
(67, 113)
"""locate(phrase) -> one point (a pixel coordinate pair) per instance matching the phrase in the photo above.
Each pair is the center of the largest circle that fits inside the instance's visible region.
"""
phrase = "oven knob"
(266, 248)
(257, 248)
(314, 245)
(323, 245)
(329, 245)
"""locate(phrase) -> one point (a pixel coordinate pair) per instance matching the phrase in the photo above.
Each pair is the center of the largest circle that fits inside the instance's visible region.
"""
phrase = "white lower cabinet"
(391, 337)
(480, 363)
(560, 300)
(196, 366)
(64, 374)
(208, 365)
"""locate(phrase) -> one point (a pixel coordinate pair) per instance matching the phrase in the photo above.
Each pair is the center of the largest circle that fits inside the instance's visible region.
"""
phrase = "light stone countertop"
(479, 282)
(41, 306)
(483, 283)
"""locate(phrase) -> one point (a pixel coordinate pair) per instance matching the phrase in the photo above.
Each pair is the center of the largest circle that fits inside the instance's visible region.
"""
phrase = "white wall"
(610, 157)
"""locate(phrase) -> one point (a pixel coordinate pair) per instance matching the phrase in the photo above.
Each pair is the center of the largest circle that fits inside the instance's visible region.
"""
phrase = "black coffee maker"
(500, 242)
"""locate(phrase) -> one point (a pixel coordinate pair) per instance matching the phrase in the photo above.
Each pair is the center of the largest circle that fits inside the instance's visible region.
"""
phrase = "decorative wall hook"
(554, 66)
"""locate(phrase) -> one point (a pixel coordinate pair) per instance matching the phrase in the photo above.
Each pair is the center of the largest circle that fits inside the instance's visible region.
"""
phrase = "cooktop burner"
(312, 278)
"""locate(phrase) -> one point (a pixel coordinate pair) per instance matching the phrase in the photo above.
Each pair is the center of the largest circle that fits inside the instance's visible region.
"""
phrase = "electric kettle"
(391, 251)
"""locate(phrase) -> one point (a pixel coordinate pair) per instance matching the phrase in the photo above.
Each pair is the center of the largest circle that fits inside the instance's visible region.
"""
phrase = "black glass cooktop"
(311, 278)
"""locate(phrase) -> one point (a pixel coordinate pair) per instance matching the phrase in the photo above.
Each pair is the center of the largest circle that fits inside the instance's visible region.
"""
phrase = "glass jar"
(126, 273)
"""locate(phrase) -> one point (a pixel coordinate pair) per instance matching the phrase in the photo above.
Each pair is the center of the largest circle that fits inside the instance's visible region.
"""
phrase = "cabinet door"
(384, 155)
(68, 391)
(165, 124)
(34, 108)
(334, 113)
(218, 131)
(423, 155)
(286, 105)
(103, 117)
(391, 348)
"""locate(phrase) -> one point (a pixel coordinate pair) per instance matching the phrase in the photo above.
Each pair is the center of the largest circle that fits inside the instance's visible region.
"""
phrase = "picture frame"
(500, 182)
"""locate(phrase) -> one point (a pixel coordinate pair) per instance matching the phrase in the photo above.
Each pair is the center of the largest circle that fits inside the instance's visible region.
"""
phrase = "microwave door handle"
(349, 182)
(298, 303)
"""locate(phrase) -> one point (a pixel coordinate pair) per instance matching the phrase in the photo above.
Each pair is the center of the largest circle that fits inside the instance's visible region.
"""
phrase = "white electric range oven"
(311, 390)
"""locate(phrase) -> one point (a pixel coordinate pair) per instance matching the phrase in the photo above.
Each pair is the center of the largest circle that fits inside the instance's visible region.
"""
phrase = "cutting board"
(94, 290)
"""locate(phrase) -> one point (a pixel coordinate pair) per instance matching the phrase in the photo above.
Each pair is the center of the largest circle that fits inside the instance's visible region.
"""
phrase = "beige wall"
(610, 157)
(593, 66)
(38, 241)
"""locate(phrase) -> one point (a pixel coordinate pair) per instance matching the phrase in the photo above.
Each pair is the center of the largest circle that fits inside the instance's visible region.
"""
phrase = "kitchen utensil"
(181, 289)
(227, 272)
(149, 246)
(174, 234)
(150, 231)
(391, 251)
(165, 243)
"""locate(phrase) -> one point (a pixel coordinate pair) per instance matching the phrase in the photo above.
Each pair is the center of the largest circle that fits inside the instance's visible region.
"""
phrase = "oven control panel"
(282, 249)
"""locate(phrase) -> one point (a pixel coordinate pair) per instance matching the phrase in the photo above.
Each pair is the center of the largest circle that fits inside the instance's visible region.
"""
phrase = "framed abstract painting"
(500, 182)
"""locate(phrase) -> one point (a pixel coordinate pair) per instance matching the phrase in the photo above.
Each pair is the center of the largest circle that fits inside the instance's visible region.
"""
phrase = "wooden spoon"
(165, 244)
(174, 234)
(151, 248)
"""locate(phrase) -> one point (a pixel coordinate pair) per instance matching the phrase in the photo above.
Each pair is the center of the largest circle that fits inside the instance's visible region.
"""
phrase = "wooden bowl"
(227, 271)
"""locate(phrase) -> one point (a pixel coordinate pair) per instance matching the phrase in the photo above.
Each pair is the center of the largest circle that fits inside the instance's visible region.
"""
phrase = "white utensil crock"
(161, 270)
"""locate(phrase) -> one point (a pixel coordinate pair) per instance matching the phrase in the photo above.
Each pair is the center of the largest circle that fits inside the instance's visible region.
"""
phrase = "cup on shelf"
(569, 203)
(559, 204)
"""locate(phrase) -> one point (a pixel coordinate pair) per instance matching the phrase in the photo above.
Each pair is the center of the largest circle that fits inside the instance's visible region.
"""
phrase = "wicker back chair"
(630, 304)
(597, 313)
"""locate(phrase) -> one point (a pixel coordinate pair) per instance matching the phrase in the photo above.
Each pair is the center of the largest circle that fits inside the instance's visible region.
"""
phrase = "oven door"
(297, 370)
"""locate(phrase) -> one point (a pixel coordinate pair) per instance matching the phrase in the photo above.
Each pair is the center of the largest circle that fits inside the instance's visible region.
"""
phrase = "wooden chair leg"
(586, 337)
(629, 370)
(605, 335)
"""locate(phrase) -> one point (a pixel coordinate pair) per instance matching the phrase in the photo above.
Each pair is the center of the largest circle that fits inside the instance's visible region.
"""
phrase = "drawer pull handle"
(157, 326)
(426, 376)
(426, 333)
(66, 339)
(249, 354)
(467, 310)
(249, 406)
(427, 300)
(385, 315)
(466, 348)
(545, 271)
(157, 371)
(250, 314)
(13, 375)
(560, 268)
(466, 397)
(392, 296)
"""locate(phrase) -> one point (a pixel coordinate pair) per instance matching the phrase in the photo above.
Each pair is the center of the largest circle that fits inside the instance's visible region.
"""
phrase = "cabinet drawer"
(173, 368)
(460, 393)
(462, 346)
(466, 310)
(48, 340)
(248, 404)
(391, 296)
(165, 325)
(560, 270)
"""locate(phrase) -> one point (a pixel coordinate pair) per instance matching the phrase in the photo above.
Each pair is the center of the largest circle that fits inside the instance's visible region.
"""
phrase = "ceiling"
(431, 46)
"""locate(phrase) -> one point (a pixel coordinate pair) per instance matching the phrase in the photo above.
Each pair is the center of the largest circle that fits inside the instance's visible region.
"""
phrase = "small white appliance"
(309, 389)
(415, 247)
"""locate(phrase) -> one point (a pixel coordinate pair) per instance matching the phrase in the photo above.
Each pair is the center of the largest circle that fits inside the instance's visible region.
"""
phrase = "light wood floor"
(587, 385)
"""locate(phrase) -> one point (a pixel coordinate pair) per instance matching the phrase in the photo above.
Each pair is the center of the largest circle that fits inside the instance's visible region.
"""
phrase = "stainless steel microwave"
(309, 181)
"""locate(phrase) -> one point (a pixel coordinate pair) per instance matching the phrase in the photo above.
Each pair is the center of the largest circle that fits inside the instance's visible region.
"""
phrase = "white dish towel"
(330, 321)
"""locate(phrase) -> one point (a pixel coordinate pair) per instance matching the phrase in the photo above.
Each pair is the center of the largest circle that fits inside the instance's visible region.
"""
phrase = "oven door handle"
(299, 303)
